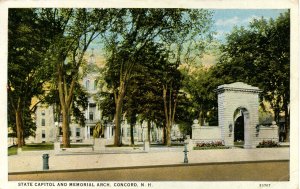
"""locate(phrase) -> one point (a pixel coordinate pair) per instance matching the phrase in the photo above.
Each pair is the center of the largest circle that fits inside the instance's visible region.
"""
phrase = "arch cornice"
(238, 87)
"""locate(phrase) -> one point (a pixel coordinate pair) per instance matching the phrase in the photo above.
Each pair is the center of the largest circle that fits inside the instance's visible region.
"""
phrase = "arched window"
(87, 84)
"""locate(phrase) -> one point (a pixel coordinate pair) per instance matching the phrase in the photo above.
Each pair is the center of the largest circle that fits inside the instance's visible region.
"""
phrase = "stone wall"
(203, 134)
(267, 133)
(206, 133)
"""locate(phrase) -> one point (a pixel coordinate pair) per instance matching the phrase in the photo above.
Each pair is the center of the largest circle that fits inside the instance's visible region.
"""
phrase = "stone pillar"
(56, 147)
(110, 132)
(194, 127)
(89, 132)
(125, 131)
(99, 144)
(146, 146)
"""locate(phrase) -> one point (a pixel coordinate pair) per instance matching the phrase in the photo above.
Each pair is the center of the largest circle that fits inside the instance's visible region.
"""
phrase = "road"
(272, 170)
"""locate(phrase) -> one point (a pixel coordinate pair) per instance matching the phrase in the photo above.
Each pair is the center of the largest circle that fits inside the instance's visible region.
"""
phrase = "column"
(125, 131)
(110, 131)
(85, 133)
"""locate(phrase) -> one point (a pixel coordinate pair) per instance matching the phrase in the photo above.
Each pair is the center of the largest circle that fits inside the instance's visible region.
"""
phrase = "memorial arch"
(238, 113)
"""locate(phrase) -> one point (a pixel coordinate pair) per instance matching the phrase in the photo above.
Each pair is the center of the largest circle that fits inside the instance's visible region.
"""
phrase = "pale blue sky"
(225, 19)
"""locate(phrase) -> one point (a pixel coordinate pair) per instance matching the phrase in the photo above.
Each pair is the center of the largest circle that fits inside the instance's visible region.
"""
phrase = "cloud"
(220, 34)
(249, 19)
(230, 21)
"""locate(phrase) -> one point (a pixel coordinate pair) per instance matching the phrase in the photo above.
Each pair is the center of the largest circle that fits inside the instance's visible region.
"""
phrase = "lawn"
(40, 146)
(12, 151)
(31, 147)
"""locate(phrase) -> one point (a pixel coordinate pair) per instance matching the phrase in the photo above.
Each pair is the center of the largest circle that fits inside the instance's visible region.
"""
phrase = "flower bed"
(210, 145)
(268, 144)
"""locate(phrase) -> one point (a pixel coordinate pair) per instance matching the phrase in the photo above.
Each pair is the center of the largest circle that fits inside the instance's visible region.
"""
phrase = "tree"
(73, 31)
(144, 97)
(133, 30)
(260, 56)
(28, 40)
(199, 84)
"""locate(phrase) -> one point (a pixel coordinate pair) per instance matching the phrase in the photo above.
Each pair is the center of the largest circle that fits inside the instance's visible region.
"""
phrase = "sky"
(223, 22)
(225, 19)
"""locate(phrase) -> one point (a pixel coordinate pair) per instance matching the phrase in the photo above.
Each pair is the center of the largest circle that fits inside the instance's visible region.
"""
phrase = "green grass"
(41, 146)
(78, 145)
(12, 150)
(31, 147)
(125, 145)
(211, 148)
(164, 145)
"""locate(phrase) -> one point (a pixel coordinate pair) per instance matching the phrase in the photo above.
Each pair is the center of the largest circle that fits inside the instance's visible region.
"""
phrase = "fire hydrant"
(45, 161)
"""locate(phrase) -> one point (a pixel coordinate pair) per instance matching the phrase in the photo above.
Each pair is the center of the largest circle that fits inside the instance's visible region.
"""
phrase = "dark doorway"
(239, 130)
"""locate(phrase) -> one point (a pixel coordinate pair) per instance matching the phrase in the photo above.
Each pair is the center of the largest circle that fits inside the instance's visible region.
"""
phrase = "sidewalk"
(157, 156)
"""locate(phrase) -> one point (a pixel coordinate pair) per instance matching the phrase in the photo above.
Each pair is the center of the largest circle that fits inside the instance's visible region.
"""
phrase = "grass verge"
(211, 148)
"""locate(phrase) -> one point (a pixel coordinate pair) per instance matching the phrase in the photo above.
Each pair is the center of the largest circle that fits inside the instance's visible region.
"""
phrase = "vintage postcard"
(142, 94)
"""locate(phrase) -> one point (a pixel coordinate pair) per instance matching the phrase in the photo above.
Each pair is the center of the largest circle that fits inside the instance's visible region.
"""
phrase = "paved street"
(123, 164)
(32, 161)
(275, 170)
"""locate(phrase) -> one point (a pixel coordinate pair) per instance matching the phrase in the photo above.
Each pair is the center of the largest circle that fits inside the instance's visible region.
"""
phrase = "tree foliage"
(260, 55)
(179, 31)
(27, 70)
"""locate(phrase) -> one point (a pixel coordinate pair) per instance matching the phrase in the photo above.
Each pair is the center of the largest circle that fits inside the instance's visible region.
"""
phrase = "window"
(43, 112)
(95, 84)
(43, 122)
(91, 131)
(91, 116)
(128, 132)
(43, 134)
(87, 84)
(78, 132)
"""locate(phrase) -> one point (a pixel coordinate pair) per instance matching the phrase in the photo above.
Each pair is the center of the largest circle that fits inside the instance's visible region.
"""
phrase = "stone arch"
(238, 96)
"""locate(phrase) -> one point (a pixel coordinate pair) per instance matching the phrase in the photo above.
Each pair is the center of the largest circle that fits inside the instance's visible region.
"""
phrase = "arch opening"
(240, 121)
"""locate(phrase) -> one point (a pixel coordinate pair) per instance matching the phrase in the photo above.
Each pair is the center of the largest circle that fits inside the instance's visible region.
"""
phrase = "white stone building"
(49, 129)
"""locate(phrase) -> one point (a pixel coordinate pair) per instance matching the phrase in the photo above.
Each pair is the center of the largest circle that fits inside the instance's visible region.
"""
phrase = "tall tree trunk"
(164, 137)
(65, 98)
(65, 127)
(169, 107)
(201, 117)
(118, 114)
(19, 126)
(287, 122)
(131, 134)
(168, 134)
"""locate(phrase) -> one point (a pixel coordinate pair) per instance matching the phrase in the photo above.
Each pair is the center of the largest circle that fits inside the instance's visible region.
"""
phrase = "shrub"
(210, 144)
(267, 144)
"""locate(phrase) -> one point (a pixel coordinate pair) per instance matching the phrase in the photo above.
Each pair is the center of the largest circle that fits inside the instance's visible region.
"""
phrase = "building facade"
(49, 129)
